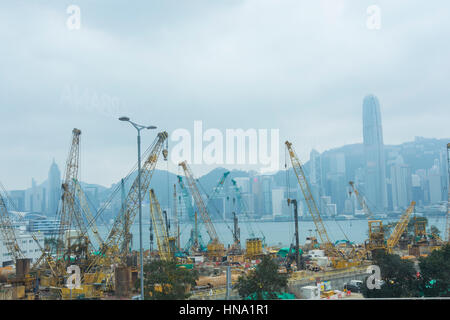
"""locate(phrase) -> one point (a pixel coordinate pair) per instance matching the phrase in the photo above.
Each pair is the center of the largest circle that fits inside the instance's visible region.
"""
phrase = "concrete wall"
(337, 281)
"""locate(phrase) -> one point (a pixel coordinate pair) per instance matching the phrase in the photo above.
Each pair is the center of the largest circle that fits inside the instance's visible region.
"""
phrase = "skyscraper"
(375, 181)
(54, 188)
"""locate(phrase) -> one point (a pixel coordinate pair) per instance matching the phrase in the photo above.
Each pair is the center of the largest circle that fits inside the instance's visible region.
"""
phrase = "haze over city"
(303, 68)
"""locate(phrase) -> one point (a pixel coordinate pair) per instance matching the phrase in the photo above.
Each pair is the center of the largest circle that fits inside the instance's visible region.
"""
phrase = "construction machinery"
(376, 232)
(84, 205)
(165, 250)
(338, 258)
(195, 242)
(400, 228)
(254, 245)
(7, 232)
(115, 248)
(117, 237)
(215, 248)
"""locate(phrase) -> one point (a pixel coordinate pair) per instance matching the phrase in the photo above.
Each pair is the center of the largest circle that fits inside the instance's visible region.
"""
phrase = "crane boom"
(162, 238)
(81, 196)
(361, 200)
(132, 201)
(199, 202)
(311, 204)
(8, 233)
(400, 227)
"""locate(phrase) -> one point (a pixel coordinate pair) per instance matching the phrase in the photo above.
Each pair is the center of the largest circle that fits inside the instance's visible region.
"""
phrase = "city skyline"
(328, 174)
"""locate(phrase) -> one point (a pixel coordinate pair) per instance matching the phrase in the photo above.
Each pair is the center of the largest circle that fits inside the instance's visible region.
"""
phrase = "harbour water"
(276, 233)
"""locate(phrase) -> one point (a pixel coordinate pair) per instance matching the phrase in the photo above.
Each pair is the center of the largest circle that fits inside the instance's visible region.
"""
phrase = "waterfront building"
(375, 167)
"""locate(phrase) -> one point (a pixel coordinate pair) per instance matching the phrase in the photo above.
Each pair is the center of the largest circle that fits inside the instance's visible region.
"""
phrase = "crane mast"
(68, 191)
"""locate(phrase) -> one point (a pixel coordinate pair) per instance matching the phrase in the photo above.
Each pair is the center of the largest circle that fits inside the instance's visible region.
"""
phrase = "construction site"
(82, 264)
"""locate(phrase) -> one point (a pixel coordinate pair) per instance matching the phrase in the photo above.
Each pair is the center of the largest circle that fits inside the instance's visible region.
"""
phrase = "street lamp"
(141, 253)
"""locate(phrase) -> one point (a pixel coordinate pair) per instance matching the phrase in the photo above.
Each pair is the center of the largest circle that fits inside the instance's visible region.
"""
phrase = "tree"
(435, 273)
(399, 277)
(163, 280)
(435, 231)
(264, 282)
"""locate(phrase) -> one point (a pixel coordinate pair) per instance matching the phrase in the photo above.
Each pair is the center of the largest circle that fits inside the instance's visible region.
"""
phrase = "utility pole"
(297, 241)
(141, 251)
(236, 231)
(228, 292)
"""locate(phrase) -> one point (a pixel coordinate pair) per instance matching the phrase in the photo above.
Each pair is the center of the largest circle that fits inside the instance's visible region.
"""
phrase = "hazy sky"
(302, 67)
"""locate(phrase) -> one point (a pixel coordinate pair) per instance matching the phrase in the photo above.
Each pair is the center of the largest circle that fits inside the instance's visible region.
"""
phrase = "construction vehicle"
(338, 258)
(400, 228)
(376, 239)
(215, 248)
(165, 250)
(195, 242)
(115, 247)
(254, 245)
(7, 232)
(117, 235)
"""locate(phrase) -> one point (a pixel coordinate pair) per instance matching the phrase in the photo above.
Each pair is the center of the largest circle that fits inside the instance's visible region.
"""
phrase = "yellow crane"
(376, 231)
(215, 247)
(400, 227)
(160, 228)
(7, 232)
(68, 207)
(339, 258)
(125, 219)
(90, 221)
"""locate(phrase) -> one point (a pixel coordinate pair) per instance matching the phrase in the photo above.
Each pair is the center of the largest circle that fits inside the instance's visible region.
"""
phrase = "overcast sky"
(302, 67)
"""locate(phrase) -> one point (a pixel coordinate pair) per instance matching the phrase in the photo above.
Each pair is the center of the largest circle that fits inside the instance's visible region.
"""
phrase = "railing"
(302, 277)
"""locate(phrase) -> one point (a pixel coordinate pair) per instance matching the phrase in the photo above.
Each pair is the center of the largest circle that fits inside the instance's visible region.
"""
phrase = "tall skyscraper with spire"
(54, 188)
(375, 164)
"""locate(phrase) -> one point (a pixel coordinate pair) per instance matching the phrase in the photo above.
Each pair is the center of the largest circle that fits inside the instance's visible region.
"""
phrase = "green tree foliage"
(399, 277)
(435, 273)
(163, 280)
(264, 282)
